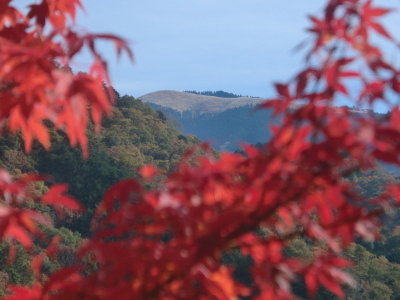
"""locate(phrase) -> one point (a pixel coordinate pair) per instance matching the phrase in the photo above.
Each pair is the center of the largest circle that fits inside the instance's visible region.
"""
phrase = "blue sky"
(233, 45)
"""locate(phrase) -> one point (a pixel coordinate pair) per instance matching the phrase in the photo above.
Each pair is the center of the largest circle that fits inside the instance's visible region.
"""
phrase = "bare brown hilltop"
(181, 101)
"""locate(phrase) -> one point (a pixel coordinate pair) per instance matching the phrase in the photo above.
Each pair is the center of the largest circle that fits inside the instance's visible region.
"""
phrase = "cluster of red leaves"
(167, 244)
(35, 78)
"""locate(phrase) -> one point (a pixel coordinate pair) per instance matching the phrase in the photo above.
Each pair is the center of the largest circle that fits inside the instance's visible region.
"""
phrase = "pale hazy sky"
(238, 46)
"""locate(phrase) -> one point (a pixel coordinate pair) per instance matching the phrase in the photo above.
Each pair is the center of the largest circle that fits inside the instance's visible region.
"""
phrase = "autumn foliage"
(167, 243)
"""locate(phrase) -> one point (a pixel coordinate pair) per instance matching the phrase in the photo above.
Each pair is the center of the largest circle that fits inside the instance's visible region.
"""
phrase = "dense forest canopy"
(134, 135)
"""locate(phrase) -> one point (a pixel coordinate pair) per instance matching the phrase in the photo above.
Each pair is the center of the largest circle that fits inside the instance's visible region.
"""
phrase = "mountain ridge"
(199, 104)
(224, 121)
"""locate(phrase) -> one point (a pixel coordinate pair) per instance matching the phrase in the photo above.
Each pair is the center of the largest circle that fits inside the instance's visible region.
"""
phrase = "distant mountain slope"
(225, 130)
(198, 104)
(225, 122)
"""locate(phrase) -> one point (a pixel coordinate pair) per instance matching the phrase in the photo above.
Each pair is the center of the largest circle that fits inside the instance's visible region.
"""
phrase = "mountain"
(225, 122)
(197, 104)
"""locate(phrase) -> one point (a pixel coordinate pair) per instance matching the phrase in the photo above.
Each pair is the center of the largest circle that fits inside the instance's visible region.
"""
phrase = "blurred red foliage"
(167, 243)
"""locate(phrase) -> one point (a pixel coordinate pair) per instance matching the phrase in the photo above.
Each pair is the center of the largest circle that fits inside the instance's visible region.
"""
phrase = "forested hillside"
(132, 136)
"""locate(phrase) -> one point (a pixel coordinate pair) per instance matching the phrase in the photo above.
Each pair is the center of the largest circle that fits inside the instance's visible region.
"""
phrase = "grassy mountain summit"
(195, 103)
